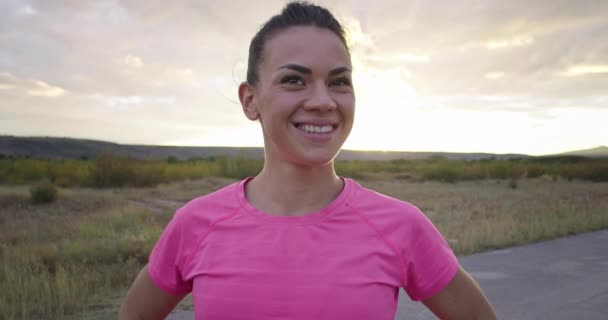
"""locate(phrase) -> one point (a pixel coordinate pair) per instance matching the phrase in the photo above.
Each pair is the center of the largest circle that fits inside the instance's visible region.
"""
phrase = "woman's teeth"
(315, 129)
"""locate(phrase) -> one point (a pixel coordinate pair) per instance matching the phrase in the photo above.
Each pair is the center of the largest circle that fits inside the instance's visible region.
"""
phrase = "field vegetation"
(109, 170)
(74, 256)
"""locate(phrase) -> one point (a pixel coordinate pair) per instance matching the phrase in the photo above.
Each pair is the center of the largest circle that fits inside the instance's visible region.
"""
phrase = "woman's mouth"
(317, 132)
(317, 129)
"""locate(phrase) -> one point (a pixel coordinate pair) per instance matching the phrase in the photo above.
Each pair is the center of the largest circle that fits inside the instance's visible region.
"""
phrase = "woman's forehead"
(309, 46)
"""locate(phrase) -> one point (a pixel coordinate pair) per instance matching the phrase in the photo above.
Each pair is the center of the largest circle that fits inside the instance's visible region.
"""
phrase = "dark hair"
(296, 13)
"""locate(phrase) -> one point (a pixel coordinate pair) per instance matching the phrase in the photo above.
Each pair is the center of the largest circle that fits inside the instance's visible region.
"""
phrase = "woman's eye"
(341, 82)
(292, 80)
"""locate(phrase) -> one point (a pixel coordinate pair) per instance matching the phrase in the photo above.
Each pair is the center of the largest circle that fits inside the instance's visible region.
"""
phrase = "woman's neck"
(288, 189)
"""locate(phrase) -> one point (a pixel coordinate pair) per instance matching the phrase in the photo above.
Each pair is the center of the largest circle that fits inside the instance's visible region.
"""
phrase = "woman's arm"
(461, 299)
(145, 301)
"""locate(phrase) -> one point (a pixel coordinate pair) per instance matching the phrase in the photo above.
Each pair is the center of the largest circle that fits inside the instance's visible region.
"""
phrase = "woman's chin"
(315, 158)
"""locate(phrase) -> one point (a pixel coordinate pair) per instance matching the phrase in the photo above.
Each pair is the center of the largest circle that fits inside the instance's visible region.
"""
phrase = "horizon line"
(342, 149)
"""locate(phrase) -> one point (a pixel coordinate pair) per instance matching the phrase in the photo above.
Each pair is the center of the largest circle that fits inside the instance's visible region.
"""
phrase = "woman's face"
(304, 98)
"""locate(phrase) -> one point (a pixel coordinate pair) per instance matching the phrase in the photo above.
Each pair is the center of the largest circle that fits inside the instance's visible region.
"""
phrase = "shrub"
(113, 171)
(443, 170)
(535, 170)
(513, 183)
(44, 192)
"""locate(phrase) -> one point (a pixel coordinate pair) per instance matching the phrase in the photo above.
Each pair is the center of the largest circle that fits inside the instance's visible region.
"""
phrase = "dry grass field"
(74, 258)
(481, 215)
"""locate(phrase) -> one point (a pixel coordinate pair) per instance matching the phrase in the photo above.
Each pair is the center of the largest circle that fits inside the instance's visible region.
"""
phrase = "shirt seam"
(447, 275)
(348, 190)
(386, 241)
(210, 229)
(160, 283)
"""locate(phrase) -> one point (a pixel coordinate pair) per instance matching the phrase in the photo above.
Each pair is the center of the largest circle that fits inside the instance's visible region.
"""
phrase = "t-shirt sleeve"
(430, 263)
(169, 256)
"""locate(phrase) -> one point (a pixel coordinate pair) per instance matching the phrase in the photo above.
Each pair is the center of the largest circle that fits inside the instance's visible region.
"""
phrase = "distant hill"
(599, 152)
(68, 148)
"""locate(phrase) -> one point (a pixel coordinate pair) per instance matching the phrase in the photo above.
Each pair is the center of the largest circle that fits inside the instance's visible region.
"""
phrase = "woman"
(297, 241)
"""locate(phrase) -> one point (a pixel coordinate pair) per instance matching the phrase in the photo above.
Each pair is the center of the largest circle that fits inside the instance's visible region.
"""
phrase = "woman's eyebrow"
(305, 70)
(339, 70)
(296, 67)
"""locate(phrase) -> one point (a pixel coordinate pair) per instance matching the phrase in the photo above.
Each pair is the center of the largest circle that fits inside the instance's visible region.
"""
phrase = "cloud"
(399, 57)
(180, 64)
(583, 70)
(132, 61)
(136, 101)
(26, 10)
(494, 75)
(30, 87)
(356, 38)
(517, 41)
(43, 89)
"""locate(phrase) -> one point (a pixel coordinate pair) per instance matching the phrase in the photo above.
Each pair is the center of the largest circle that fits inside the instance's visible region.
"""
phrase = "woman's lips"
(314, 132)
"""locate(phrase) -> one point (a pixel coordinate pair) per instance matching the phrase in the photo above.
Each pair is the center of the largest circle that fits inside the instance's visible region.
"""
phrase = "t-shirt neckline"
(308, 218)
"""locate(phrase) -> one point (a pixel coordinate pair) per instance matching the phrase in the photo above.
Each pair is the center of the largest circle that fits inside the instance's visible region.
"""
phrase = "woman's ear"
(247, 97)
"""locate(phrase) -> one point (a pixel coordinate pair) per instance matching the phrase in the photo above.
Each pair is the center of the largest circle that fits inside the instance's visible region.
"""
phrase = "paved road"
(559, 279)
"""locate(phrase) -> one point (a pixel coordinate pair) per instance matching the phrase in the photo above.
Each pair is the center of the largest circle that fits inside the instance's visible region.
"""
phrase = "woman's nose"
(320, 99)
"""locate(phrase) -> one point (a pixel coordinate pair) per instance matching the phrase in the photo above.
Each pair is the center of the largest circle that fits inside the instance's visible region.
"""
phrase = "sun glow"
(392, 115)
(518, 41)
(581, 70)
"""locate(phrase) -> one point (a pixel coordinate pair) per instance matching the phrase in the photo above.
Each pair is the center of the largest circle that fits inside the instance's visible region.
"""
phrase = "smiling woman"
(297, 241)
(304, 99)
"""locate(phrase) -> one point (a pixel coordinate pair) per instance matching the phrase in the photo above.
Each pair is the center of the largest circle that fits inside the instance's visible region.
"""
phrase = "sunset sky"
(459, 76)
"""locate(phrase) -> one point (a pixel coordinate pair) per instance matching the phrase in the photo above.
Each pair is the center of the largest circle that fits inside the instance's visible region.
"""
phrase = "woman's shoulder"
(389, 214)
(370, 200)
(212, 205)
(399, 221)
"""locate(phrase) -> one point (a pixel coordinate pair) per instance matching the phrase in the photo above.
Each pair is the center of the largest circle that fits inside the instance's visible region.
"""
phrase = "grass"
(482, 215)
(74, 258)
(108, 170)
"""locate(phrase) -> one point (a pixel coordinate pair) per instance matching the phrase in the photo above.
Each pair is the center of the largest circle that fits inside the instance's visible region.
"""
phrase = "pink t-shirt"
(346, 261)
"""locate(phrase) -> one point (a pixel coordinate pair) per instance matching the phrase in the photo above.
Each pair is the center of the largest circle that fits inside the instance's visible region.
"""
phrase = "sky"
(492, 76)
